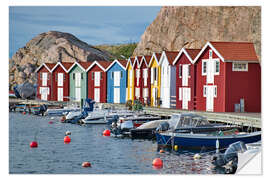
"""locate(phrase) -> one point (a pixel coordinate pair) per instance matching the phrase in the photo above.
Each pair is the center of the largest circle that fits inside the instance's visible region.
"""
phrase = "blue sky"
(93, 25)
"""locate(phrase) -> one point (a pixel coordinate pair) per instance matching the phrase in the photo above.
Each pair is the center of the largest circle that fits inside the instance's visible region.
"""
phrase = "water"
(107, 155)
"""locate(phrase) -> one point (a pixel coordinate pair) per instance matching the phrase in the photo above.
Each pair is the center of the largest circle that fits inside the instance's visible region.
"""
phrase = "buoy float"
(23, 112)
(63, 119)
(162, 151)
(86, 164)
(67, 139)
(50, 122)
(33, 144)
(197, 156)
(175, 147)
(157, 163)
(107, 132)
(68, 133)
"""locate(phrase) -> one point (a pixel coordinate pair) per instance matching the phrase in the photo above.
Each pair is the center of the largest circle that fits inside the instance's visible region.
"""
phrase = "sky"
(94, 25)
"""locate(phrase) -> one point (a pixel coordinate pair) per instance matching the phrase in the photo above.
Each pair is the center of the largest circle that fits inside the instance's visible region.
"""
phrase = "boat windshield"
(186, 120)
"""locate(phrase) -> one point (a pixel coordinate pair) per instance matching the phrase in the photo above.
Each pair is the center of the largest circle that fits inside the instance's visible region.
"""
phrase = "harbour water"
(107, 155)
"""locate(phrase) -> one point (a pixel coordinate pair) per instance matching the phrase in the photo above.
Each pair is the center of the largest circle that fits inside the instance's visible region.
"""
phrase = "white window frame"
(237, 69)
(204, 61)
(180, 94)
(217, 73)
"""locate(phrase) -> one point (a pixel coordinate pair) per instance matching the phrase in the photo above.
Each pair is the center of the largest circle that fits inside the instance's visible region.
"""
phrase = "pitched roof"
(158, 55)
(123, 62)
(193, 53)
(67, 65)
(147, 58)
(85, 65)
(171, 55)
(236, 51)
(104, 64)
(50, 65)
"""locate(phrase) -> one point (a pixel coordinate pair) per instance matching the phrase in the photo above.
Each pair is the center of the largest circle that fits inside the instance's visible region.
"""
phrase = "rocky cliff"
(191, 27)
(52, 46)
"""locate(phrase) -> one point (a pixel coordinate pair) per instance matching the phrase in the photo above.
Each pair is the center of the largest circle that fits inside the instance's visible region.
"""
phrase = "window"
(40, 76)
(210, 54)
(81, 75)
(204, 91)
(56, 77)
(240, 67)
(93, 75)
(189, 70)
(73, 76)
(180, 71)
(217, 66)
(121, 74)
(204, 67)
(64, 76)
(100, 75)
(215, 95)
(112, 75)
(48, 77)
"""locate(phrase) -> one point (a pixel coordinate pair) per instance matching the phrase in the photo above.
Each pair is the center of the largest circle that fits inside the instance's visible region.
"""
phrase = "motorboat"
(139, 119)
(146, 130)
(193, 131)
(72, 106)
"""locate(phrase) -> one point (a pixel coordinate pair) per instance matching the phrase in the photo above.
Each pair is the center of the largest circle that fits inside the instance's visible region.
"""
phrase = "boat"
(146, 130)
(193, 131)
(139, 119)
(72, 106)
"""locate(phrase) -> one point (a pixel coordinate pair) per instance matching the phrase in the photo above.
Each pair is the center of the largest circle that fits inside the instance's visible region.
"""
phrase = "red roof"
(104, 64)
(147, 58)
(67, 65)
(171, 55)
(236, 51)
(158, 55)
(123, 62)
(85, 65)
(50, 65)
(193, 52)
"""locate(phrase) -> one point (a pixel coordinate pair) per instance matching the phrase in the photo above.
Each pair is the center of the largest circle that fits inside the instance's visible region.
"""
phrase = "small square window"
(217, 66)
(180, 71)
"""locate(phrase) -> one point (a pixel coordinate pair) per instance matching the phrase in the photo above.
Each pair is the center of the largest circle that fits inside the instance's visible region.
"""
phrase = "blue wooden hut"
(116, 81)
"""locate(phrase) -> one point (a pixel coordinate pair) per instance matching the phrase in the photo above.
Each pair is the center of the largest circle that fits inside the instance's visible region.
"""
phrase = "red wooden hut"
(228, 78)
(60, 76)
(137, 78)
(145, 80)
(97, 81)
(44, 81)
(185, 79)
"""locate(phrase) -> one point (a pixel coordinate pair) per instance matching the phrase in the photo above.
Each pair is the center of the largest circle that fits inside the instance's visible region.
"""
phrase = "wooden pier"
(244, 119)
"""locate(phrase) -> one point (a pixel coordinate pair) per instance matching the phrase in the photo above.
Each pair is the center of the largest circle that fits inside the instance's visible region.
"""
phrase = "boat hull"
(196, 141)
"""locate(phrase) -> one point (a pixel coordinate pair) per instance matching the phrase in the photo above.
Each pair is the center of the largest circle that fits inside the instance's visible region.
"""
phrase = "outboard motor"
(229, 160)
(88, 105)
(164, 126)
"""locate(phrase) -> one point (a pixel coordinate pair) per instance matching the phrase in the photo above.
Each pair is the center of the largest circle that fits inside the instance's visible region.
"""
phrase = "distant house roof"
(123, 62)
(190, 54)
(157, 58)
(170, 55)
(193, 52)
(67, 65)
(232, 51)
(102, 64)
(147, 58)
(48, 66)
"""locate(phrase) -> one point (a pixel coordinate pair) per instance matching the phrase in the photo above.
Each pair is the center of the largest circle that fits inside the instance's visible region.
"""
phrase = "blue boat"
(208, 141)
(194, 132)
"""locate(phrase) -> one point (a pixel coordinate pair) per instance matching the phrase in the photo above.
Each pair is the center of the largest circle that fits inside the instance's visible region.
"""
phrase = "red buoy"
(86, 164)
(162, 151)
(107, 132)
(23, 112)
(33, 144)
(50, 122)
(67, 139)
(157, 163)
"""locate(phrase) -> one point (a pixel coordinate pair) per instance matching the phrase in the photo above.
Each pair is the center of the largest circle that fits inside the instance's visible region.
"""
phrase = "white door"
(145, 76)
(60, 79)
(97, 79)
(185, 75)
(116, 95)
(60, 94)
(210, 90)
(77, 79)
(97, 95)
(44, 79)
(78, 93)
(186, 97)
(210, 71)
(116, 76)
(44, 91)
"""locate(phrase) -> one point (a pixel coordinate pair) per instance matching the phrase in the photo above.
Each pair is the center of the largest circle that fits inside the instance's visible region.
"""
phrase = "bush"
(137, 106)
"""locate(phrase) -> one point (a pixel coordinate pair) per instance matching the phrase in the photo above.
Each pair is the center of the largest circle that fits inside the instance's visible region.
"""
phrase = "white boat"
(72, 106)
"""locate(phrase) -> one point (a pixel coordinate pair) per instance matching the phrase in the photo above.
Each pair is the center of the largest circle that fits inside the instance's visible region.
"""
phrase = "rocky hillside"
(192, 27)
(52, 46)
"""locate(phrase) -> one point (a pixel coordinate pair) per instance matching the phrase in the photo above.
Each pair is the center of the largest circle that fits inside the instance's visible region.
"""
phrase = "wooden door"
(44, 79)
(59, 94)
(78, 93)
(60, 79)
(97, 79)
(97, 95)
(210, 70)
(116, 95)
(117, 75)
(210, 90)
(185, 75)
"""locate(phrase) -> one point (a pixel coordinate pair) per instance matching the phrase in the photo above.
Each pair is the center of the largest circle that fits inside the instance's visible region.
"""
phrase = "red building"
(137, 78)
(145, 78)
(228, 78)
(185, 78)
(97, 81)
(44, 81)
(60, 83)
